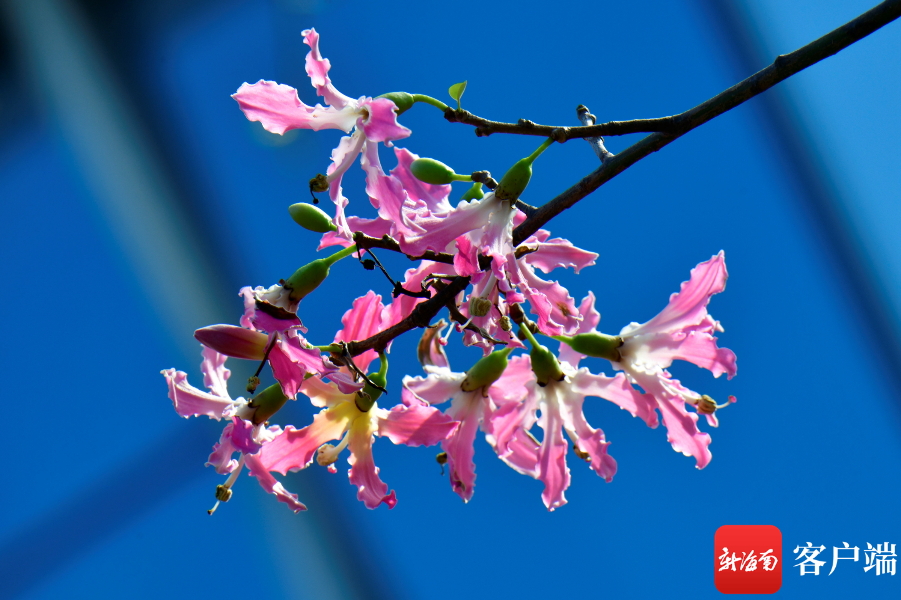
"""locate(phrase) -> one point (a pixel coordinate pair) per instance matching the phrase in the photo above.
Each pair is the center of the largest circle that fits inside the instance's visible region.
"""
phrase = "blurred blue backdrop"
(138, 199)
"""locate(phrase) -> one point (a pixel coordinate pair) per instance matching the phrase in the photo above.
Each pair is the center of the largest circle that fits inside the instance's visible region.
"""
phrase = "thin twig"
(783, 67)
(484, 127)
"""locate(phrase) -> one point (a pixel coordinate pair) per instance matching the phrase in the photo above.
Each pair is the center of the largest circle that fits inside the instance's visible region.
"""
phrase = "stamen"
(327, 454)
(224, 491)
(707, 405)
(442, 460)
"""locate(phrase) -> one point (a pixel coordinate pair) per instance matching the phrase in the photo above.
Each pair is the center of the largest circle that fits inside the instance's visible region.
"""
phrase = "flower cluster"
(468, 264)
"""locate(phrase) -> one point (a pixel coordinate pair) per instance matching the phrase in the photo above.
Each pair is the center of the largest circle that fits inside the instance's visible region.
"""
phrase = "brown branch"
(421, 315)
(364, 242)
(782, 68)
(484, 127)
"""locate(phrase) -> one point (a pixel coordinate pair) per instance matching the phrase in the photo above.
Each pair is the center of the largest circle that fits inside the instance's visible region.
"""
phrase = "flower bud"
(478, 306)
(545, 365)
(233, 341)
(598, 345)
(515, 180)
(306, 279)
(267, 403)
(311, 217)
(402, 100)
(429, 170)
(486, 371)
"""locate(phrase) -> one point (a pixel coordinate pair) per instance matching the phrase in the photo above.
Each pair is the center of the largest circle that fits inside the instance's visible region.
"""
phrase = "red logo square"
(747, 559)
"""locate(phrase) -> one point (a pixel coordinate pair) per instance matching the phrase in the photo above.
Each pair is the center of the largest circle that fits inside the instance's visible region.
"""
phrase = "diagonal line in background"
(822, 201)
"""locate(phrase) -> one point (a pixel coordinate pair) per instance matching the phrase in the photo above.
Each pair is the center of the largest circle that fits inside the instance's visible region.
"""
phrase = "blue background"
(138, 199)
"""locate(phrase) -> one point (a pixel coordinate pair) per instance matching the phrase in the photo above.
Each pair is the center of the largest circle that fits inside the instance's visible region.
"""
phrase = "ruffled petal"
(294, 449)
(318, 68)
(590, 319)
(191, 402)
(619, 391)
(564, 313)
(279, 109)
(459, 446)
(698, 347)
(688, 307)
(512, 385)
(403, 305)
(439, 386)
(590, 440)
(681, 426)
(552, 469)
(243, 436)
(434, 197)
(221, 457)
(415, 425)
(325, 394)
(271, 484)
(215, 375)
(559, 253)
(440, 230)
(363, 320)
(382, 125)
(363, 473)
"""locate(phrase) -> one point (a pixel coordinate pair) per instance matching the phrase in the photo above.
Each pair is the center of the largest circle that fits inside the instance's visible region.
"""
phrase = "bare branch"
(782, 68)
(484, 127)
(364, 242)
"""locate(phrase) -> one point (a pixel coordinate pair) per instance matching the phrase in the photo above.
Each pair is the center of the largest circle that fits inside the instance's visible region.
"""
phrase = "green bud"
(311, 218)
(402, 100)
(307, 278)
(267, 403)
(545, 365)
(474, 193)
(486, 371)
(595, 344)
(364, 403)
(429, 170)
(514, 181)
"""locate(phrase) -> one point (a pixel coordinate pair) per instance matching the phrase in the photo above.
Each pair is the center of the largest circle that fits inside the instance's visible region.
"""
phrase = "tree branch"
(782, 68)
(484, 127)
(364, 242)
(421, 315)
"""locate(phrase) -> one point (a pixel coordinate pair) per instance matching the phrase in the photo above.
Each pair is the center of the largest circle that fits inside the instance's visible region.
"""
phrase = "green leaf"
(456, 91)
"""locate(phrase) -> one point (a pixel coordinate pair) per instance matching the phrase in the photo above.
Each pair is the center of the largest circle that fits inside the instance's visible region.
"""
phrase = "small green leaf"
(456, 91)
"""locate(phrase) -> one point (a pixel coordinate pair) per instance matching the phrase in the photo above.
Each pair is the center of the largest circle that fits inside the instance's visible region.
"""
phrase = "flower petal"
(363, 320)
(440, 385)
(552, 469)
(279, 109)
(590, 319)
(619, 391)
(559, 253)
(318, 68)
(382, 125)
(415, 425)
(698, 347)
(363, 473)
(435, 197)
(294, 449)
(271, 484)
(189, 401)
(215, 375)
(221, 457)
(590, 440)
(687, 307)
(681, 426)
(468, 409)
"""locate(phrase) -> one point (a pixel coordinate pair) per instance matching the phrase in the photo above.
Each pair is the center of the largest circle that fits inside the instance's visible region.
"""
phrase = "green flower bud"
(429, 170)
(307, 278)
(486, 371)
(545, 365)
(515, 180)
(402, 100)
(598, 345)
(267, 403)
(311, 217)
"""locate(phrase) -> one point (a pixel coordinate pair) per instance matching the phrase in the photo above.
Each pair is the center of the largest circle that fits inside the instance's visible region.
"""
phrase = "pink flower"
(683, 330)
(373, 120)
(560, 404)
(550, 301)
(239, 435)
(342, 418)
(471, 408)
(291, 357)
(400, 199)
